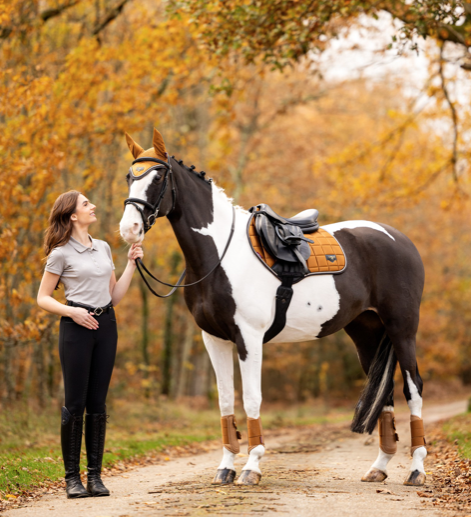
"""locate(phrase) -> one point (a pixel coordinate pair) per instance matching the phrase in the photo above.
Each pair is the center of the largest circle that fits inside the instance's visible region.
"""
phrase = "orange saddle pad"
(327, 255)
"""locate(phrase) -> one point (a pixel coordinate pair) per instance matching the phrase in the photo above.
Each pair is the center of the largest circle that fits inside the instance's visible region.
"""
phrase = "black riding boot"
(95, 432)
(71, 441)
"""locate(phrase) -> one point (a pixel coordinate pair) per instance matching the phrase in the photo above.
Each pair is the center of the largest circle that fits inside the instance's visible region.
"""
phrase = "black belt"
(97, 311)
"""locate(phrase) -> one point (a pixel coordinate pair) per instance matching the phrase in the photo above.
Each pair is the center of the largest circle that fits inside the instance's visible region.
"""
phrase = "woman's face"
(84, 211)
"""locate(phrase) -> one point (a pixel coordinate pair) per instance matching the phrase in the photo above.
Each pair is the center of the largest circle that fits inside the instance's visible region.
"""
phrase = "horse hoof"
(224, 477)
(249, 477)
(415, 478)
(374, 476)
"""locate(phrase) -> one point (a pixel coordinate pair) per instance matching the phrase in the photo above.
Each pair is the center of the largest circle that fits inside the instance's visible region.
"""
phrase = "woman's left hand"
(135, 252)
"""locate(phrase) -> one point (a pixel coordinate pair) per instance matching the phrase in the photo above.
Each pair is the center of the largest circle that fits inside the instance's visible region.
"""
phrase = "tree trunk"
(168, 331)
(145, 335)
(185, 365)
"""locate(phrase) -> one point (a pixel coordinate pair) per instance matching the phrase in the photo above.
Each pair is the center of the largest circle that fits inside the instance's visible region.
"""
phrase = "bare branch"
(56, 11)
(111, 15)
(45, 15)
(392, 156)
(441, 31)
(451, 35)
(454, 117)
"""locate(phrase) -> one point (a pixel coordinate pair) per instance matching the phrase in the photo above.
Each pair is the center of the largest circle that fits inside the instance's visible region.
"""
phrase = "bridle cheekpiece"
(155, 208)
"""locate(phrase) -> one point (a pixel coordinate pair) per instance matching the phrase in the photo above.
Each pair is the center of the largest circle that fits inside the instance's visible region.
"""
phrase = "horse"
(231, 296)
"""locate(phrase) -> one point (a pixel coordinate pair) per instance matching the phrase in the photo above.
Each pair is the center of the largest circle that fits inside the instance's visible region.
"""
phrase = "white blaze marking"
(131, 215)
(351, 225)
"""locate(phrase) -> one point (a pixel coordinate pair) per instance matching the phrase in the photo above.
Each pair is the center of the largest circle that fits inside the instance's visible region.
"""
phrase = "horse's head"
(151, 192)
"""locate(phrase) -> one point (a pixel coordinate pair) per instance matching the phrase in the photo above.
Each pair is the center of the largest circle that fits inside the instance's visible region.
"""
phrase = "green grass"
(30, 454)
(459, 429)
(27, 467)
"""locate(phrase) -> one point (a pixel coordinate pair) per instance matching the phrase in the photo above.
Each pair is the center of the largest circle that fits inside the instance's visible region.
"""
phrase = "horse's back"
(379, 251)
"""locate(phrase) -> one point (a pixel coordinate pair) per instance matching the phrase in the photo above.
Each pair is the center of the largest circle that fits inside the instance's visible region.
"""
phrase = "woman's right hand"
(84, 318)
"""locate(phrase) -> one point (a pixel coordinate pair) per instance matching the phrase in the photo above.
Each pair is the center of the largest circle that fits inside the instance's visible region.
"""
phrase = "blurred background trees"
(256, 94)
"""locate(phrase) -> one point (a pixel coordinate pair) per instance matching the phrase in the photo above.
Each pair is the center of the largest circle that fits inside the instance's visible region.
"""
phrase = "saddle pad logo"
(139, 169)
(331, 258)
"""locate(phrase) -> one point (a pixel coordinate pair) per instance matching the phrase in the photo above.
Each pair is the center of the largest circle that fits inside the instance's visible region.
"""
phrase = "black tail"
(378, 389)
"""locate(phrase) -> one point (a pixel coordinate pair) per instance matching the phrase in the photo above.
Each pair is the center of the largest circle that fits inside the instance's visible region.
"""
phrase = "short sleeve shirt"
(84, 271)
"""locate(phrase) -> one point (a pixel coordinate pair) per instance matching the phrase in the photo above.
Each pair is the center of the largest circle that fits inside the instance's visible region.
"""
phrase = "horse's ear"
(159, 146)
(135, 149)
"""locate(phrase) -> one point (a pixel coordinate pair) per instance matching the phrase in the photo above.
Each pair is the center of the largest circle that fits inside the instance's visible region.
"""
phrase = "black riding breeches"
(87, 359)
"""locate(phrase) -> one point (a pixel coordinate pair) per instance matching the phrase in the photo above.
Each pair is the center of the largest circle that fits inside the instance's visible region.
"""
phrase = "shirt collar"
(78, 246)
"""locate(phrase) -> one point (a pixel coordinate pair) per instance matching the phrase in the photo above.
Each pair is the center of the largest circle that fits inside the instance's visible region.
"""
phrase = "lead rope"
(140, 264)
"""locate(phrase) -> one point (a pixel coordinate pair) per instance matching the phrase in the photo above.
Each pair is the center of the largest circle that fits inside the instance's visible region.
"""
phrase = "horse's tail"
(378, 389)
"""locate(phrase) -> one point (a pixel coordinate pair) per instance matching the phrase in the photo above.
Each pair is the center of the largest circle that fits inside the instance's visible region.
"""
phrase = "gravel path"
(305, 473)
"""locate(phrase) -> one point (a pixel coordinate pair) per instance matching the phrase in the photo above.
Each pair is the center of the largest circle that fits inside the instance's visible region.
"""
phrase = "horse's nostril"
(135, 228)
(141, 232)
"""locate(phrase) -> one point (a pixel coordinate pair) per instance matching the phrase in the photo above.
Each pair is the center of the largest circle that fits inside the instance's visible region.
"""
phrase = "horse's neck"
(223, 214)
(204, 220)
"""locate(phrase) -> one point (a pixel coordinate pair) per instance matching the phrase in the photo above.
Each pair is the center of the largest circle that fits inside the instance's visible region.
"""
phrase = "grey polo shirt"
(85, 272)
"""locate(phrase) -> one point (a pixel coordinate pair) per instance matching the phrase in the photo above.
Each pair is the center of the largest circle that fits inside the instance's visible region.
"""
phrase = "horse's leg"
(220, 353)
(413, 392)
(251, 372)
(366, 332)
(404, 346)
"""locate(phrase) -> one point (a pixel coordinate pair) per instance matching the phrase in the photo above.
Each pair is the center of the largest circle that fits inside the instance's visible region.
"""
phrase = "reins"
(155, 208)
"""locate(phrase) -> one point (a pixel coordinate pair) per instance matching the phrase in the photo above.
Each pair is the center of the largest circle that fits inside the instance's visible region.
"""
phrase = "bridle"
(150, 221)
(155, 208)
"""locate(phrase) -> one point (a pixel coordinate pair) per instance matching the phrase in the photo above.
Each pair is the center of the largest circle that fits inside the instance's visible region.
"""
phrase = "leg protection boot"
(71, 442)
(95, 432)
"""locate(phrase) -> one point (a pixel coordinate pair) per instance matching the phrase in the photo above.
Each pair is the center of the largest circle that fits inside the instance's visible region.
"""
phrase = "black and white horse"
(376, 300)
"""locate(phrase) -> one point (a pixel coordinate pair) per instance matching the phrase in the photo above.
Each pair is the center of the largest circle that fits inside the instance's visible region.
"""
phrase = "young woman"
(88, 334)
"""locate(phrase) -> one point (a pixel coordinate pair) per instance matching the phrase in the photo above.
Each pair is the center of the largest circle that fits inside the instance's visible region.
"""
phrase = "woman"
(88, 334)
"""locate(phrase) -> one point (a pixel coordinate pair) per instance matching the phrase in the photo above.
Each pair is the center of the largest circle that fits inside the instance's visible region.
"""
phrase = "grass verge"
(458, 430)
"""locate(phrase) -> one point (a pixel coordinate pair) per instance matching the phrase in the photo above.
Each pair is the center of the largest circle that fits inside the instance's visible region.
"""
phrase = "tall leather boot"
(95, 432)
(71, 442)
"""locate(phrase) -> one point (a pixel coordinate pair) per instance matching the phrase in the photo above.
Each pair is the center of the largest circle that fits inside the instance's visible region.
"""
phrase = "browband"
(150, 159)
(159, 165)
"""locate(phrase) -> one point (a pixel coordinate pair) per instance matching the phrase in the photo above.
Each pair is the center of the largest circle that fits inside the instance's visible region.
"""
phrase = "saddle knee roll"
(255, 433)
(388, 437)
(417, 433)
(230, 434)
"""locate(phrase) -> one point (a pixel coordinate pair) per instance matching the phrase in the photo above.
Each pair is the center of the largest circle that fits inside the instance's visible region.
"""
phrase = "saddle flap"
(283, 241)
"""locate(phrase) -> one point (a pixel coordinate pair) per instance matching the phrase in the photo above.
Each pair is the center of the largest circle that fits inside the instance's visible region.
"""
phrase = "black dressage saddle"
(284, 237)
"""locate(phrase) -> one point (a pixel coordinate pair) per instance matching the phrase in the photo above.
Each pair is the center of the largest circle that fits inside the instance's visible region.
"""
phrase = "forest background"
(268, 99)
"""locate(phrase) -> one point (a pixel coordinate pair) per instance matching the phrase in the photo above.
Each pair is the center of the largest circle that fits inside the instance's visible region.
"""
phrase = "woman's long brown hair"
(60, 226)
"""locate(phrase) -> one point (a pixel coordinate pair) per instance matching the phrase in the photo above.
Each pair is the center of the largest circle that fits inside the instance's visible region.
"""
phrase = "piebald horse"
(376, 300)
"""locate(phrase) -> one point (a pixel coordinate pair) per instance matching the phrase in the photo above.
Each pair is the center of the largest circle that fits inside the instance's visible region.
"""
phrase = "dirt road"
(305, 473)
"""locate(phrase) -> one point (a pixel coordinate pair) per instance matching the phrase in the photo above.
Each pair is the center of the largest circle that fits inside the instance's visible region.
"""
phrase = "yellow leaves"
(131, 368)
